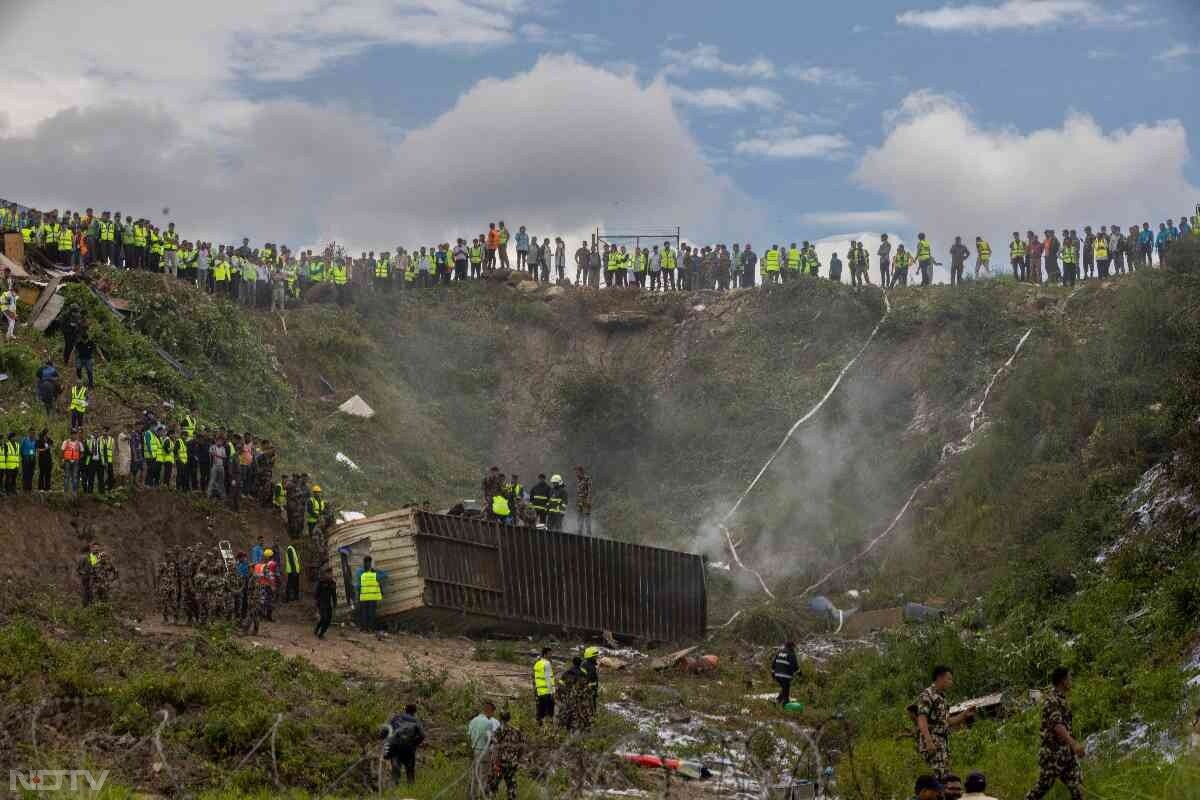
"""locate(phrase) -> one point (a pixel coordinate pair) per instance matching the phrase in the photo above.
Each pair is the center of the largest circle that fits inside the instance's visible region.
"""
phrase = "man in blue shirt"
(1161, 241)
(256, 552)
(28, 460)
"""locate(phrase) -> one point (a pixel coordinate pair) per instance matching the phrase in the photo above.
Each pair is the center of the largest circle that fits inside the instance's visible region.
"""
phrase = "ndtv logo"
(55, 780)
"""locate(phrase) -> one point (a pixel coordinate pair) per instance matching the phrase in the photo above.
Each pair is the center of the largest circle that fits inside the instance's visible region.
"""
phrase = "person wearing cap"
(952, 788)
(976, 787)
(556, 507)
(1059, 754)
(591, 670)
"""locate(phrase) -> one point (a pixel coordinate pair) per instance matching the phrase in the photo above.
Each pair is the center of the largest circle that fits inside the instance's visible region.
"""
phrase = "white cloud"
(840, 244)
(197, 58)
(1178, 52)
(707, 58)
(952, 176)
(819, 145)
(851, 219)
(736, 99)
(291, 172)
(826, 76)
(1010, 14)
(534, 32)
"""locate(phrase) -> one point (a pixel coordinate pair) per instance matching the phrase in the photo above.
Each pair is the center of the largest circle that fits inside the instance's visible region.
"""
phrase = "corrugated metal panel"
(388, 539)
(560, 580)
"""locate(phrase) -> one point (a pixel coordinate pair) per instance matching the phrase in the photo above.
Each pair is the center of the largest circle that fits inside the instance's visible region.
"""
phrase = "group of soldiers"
(1058, 752)
(97, 574)
(195, 585)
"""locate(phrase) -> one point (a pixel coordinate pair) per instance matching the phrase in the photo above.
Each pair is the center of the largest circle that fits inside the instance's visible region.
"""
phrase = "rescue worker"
(591, 670)
(539, 499)
(79, 406)
(556, 509)
(783, 669)
(85, 568)
(543, 686)
(770, 265)
(573, 704)
(900, 266)
(370, 593)
(925, 262)
(1016, 256)
(315, 509)
(291, 571)
(983, 257)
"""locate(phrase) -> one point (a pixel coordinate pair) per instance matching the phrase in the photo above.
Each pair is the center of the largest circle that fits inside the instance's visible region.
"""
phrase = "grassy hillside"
(675, 405)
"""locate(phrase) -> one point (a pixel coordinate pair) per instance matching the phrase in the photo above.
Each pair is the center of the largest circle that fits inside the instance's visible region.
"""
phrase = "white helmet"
(556, 480)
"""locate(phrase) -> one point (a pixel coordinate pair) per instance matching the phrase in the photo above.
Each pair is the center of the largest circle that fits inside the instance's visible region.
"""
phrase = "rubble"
(357, 407)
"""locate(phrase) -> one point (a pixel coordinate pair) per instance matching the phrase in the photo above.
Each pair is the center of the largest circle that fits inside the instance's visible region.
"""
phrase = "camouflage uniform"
(264, 476)
(87, 577)
(254, 607)
(583, 504)
(187, 590)
(294, 508)
(933, 706)
(105, 577)
(508, 745)
(1056, 761)
(574, 701)
(167, 581)
(232, 591)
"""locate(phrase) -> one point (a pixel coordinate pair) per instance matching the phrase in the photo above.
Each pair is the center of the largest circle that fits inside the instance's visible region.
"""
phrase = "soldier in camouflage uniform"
(932, 715)
(508, 746)
(583, 501)
(254, 607)
(215, 595)
(1058, 756)
(167, 582)
(187, 590)
(264, 473)
(202, 600)
(493, 484)
(574, 701)
(104, 578)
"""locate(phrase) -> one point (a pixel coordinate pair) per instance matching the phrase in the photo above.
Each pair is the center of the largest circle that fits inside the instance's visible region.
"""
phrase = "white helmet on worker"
(556, 480)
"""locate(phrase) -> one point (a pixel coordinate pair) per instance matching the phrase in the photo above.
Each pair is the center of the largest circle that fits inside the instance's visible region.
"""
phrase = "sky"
(379, 123)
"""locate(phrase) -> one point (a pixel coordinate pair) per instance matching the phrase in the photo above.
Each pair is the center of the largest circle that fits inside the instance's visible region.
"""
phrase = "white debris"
(721, 565)
(350, 516)
(357, 407)
(342, 458)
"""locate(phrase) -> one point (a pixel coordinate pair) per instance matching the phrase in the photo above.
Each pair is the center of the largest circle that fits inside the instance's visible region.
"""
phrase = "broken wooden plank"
(47, 293)
(49, 313)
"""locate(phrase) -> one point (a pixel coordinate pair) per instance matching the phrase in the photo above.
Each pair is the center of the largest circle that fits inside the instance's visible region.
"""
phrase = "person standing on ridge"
(583, 501)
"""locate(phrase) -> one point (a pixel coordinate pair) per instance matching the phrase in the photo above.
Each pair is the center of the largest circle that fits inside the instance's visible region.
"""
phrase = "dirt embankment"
(41, 537)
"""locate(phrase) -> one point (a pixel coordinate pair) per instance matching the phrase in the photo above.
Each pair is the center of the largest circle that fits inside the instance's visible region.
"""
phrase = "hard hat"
(591, 652)
(316, 488)
(556, 479)
(268, 553)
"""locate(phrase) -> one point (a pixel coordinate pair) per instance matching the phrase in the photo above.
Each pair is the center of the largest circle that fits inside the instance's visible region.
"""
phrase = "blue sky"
(309, 121)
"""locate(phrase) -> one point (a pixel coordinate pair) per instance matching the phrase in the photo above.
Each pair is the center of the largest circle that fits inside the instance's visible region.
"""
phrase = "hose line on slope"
(791, 431)
(904, 508)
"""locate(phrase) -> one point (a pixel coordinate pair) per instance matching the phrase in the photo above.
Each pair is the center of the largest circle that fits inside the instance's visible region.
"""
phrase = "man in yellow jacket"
(543, 686)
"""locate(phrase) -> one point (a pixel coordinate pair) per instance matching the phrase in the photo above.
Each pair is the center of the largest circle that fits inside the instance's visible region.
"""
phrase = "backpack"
(404, 736)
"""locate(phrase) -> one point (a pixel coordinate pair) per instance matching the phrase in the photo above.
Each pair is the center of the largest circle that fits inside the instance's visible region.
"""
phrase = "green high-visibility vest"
(291, 561)
(793, 258)
(924, 253)
(668, 259)
(79, 398)
(543, 677)
(476, 254)
(771, 260)
(368, 587)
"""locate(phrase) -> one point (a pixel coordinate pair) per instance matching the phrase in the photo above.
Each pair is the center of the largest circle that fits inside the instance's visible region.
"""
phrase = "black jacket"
(784, 665)
(326, 593)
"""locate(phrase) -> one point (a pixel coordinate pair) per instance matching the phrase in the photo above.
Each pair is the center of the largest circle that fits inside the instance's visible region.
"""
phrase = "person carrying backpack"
(403, 734)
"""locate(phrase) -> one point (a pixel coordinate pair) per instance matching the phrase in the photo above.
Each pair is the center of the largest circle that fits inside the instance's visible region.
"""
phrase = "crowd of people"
(274, 276)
